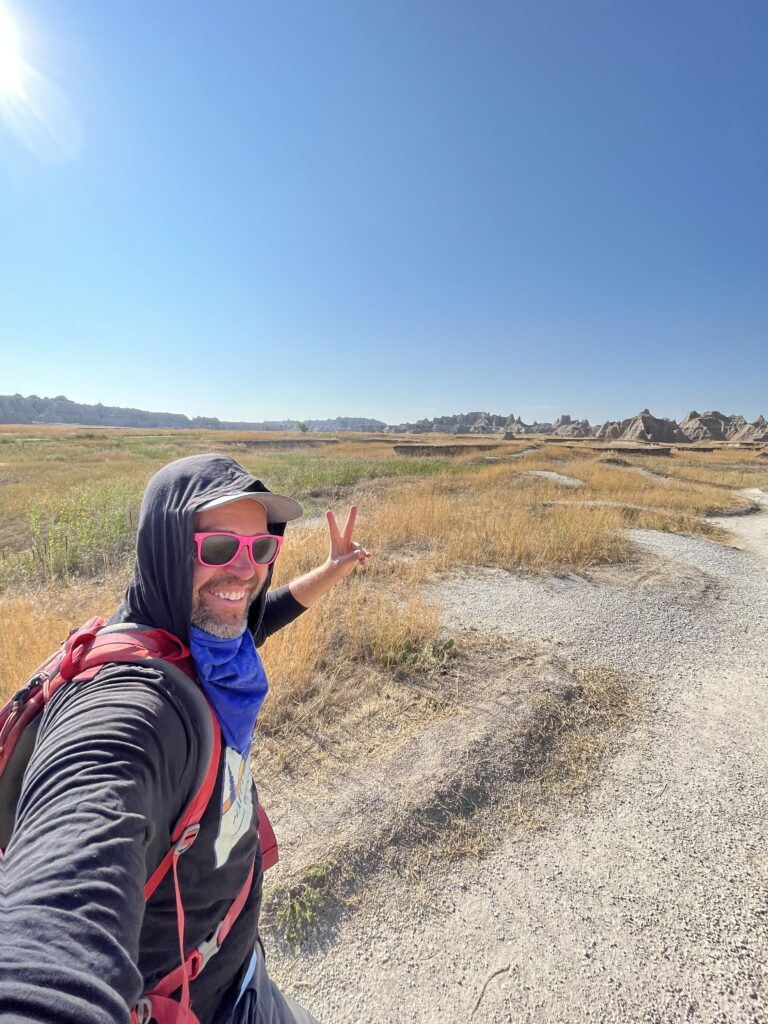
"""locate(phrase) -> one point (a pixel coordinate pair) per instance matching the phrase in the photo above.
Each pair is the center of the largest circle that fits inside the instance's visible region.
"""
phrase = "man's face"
(221, 595)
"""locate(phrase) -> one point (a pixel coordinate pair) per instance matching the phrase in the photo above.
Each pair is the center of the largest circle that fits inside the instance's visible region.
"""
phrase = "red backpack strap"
(88, 649)
(15, 717)
(161, 1010)
(158, 1003)
(28, 702)
(194, 963)
(267, 841)
(186, 828)
(184, 834)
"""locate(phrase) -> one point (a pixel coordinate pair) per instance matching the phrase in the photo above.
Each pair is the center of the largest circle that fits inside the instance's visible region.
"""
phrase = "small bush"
(299, 913)
(92, 533)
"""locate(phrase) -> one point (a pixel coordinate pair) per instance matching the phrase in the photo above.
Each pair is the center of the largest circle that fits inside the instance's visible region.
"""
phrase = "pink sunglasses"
(217, 549)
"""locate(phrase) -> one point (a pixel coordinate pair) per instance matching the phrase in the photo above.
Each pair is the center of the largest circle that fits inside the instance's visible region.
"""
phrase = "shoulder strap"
(90, 648)
(80, 658)
(187, 828)
(207, 726)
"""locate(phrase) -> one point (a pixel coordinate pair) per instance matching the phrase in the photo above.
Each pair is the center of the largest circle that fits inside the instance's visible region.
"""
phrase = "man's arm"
(280, 609)
(344, 556)
(112, 767)
(288, 602)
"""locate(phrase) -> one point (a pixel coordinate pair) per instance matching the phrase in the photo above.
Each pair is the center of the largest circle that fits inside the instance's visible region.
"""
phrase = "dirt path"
(647, 901)
(752, 532)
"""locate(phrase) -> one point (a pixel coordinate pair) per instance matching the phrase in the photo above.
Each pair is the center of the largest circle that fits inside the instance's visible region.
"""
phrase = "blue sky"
(394, 209)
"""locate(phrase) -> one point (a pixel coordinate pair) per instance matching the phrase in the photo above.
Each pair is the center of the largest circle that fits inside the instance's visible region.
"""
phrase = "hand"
(345, 554)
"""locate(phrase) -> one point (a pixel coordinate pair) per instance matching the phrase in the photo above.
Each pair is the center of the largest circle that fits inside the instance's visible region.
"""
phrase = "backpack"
(79, 659)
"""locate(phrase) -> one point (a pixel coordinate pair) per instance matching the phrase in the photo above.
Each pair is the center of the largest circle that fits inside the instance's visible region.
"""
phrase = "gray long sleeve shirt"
(113, 767)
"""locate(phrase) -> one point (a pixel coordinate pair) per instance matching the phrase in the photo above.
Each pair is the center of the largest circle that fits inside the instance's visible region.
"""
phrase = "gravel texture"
(647, 902)
(556, 478)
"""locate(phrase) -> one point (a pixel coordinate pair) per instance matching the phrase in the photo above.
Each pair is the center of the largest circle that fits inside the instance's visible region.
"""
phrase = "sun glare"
(11, 61)
(32, 106)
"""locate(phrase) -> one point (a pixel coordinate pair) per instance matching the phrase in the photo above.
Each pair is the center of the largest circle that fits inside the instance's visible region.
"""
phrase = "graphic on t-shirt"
(236, 805)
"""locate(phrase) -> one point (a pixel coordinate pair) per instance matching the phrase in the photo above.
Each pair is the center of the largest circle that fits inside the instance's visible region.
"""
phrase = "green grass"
(299, 911)
(69, 501)
(70, 505)
(306, 474)
(89, 532)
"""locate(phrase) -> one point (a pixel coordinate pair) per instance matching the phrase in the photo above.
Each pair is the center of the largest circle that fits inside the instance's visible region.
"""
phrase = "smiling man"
(229, 571)
(115, 764)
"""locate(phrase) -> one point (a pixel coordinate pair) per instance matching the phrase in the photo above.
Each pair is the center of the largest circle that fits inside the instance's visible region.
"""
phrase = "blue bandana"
(234, 681)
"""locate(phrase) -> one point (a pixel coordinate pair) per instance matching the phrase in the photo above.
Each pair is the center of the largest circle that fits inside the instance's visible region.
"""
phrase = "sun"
(11, 61)
(32, 106)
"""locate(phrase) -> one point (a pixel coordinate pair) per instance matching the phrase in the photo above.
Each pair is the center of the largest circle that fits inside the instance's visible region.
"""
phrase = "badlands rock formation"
(707, 426)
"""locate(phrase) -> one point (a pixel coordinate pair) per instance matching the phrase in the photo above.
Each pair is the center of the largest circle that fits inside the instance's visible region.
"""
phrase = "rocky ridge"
(32, 409)
(707, 426)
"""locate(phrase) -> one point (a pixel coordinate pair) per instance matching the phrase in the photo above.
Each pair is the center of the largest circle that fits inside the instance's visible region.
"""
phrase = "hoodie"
(160, 593)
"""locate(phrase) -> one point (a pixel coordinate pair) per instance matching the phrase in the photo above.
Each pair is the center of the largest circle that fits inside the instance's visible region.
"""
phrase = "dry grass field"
(69, 500)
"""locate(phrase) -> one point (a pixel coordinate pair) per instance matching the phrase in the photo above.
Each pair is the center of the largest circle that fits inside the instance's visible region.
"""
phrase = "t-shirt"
(114, 765)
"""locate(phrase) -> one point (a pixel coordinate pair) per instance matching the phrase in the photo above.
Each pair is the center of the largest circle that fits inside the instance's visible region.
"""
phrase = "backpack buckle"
(203, 953)
(188, 836)
(142, 1012)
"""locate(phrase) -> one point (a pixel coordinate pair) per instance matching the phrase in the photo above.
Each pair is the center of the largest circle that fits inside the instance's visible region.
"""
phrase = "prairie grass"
(315, 474)
(68, 509)
(741, 469)
(495, 518)
(46, 486)
(311, 665)
(631, 487)
(34, 622)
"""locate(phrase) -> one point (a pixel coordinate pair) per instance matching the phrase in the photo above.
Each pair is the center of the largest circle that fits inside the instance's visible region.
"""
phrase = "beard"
(207, 619)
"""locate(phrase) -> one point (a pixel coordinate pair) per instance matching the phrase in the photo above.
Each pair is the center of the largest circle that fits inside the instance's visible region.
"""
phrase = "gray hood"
(160, 594)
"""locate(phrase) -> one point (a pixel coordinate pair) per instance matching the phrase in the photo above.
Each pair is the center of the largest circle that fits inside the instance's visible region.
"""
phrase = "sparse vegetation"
(548, 755)
(296, 910)
(488, 772)
(69, 502)
(90, 534)
(367, 684)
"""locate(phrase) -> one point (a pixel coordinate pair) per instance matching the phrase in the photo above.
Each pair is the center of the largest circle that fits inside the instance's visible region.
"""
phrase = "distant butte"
(706, 426)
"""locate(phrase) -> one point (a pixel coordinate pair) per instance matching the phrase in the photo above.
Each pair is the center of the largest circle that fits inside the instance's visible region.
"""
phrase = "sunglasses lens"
(264, 550)
(218, 550)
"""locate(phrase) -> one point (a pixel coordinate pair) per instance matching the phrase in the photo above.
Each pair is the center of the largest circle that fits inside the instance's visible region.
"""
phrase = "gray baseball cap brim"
(280, 509)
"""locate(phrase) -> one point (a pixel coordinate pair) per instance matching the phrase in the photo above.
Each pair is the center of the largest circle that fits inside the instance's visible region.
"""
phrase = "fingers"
(350, 523)
(332, 527)
(343, 549)
(360, 553)
(358, 556)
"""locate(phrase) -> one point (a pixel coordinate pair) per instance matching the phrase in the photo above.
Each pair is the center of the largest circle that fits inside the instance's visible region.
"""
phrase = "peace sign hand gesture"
(345, 554)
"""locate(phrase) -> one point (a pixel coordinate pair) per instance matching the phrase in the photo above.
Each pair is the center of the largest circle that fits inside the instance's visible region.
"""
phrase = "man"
(114, 764)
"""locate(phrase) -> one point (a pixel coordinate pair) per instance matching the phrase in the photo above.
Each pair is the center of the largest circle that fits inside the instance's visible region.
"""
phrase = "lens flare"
(33, 108)
(11, 63)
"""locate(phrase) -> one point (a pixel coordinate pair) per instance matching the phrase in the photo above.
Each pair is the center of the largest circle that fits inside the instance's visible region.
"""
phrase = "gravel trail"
(556, 478)
(647, 902)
